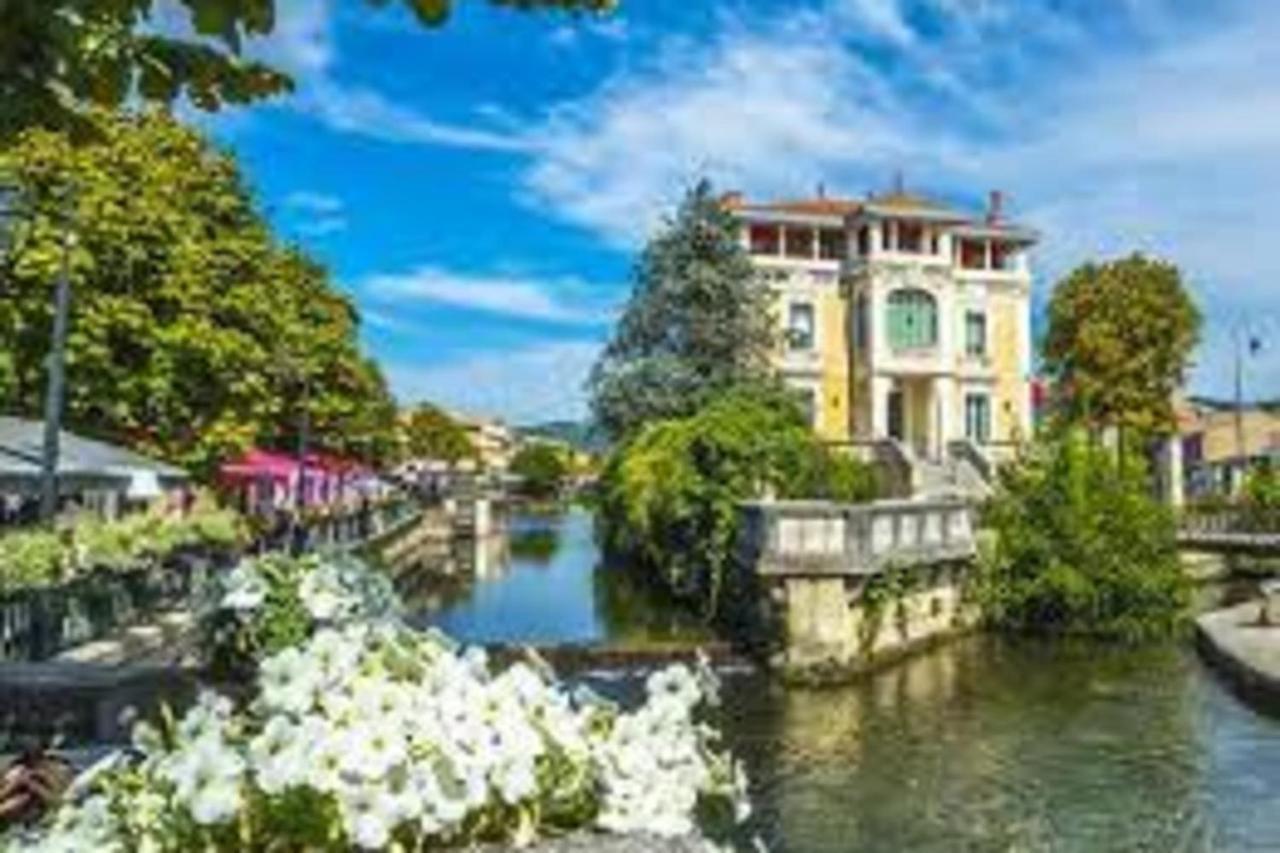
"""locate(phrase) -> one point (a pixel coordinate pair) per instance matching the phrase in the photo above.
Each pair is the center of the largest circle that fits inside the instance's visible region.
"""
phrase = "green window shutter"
(912, 320)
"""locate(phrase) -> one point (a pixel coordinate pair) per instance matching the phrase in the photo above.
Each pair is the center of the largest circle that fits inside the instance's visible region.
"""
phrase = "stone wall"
(823, 591)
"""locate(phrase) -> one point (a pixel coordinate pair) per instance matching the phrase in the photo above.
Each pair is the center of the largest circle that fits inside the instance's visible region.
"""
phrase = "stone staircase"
(965, 472)
(951, 477)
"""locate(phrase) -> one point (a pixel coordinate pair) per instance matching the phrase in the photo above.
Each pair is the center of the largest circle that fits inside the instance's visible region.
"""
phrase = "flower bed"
(367, 734)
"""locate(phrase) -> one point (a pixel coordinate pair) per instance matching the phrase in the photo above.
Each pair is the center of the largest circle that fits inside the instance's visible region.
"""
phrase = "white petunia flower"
(245, 589)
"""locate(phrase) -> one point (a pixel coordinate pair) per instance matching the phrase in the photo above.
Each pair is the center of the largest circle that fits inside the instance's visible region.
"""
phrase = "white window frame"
(792, 330)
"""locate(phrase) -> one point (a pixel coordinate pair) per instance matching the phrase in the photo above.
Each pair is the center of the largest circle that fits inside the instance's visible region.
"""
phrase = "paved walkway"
(1245, 651)
(167, 640)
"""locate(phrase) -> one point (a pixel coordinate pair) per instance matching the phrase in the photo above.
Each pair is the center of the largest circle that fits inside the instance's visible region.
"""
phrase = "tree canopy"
(668, 498)
(699, 321)
(1119, 340)
(429, 433)
(542, 469)
(58, 56)
(193, 333)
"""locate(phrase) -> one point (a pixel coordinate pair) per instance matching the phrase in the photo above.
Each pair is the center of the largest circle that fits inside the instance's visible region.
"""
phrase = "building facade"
(494, 442)
(1220, 446)
(902, 318)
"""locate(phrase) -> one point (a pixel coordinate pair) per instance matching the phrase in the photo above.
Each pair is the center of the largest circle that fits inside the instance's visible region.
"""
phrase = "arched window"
(912, 320)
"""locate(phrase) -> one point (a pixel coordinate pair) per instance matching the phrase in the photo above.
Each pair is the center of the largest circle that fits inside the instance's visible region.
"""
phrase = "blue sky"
(482, 190)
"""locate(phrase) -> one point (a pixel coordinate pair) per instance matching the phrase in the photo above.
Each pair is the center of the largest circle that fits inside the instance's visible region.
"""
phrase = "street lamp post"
(10, 210)
(1247, 345)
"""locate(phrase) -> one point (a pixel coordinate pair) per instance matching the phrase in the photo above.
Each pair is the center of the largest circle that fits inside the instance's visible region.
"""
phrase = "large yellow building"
(904, 318)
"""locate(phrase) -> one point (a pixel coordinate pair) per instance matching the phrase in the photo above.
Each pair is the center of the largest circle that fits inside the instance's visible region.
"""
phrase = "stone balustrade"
(821, 538)
(823, 590)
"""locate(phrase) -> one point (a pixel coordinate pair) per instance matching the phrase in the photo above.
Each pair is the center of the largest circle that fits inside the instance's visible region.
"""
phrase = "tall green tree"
(430, 433)
(193, 333)
(1119, 340)
(58, 56)
(699, 321)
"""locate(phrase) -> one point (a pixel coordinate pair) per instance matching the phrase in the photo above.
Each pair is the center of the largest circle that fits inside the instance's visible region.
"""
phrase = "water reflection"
(997, 745)
(540, 581)
(985, 744)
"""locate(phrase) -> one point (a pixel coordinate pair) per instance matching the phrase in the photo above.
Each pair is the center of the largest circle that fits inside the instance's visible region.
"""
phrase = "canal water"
(987, 744)
(542, 583)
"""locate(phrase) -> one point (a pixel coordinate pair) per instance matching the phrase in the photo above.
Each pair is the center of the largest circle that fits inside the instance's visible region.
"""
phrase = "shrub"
(669, 497)
(39, 558)
(375, 736)
(1080, 546)
(1262, 499)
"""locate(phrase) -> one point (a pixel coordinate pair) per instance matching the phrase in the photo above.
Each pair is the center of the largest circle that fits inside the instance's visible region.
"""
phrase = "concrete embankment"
(1245, 652)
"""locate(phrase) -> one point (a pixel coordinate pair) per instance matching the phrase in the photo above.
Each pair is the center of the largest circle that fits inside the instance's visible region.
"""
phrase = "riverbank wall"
(1245, 652)
(822, 592)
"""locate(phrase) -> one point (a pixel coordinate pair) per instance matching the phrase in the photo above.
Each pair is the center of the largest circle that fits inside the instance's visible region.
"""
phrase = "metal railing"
(38, 623)
(346, 530)
(1229, 520)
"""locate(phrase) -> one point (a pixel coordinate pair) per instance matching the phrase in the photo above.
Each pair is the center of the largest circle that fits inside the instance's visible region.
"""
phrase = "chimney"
(995, 207)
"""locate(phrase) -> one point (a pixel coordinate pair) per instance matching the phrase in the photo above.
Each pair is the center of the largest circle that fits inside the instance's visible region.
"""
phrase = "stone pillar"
(820, 632)
(1173, 471)
(880, 388)
(944, 389)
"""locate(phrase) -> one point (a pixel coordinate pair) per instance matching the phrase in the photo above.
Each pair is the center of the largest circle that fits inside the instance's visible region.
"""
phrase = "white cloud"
(1137, 128)
(309, 201)
(881, 18)
(315, 214)
(365, 112)
(771, 110)
(561, 301)
(304, 45)
(538, 383)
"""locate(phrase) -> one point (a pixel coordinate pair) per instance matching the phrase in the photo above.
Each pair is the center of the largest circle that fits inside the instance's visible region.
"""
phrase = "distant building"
(494, 442)
(904, 318)
(1218, 450)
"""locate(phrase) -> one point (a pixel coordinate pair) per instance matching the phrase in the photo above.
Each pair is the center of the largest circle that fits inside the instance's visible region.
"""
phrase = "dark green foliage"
(193, 333)
(430, 433)
(1262, 488)
(1120, 336)
(1080, 546)
(59, 57)
(698, 322)
(669, 497)
(542, 469)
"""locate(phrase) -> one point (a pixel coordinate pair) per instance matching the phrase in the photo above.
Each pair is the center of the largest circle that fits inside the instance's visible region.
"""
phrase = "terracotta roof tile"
(817, 206)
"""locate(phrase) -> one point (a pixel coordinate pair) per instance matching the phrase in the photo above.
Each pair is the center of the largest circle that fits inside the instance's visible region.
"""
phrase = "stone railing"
(801, 596)
(782, 538)
(969, 452)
